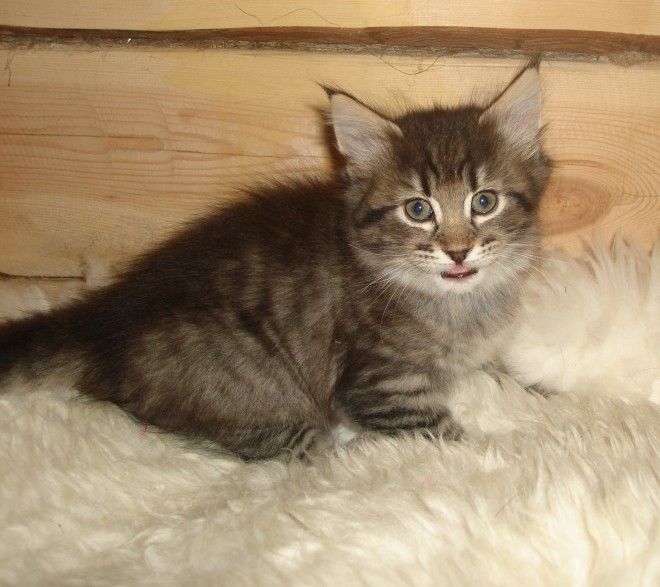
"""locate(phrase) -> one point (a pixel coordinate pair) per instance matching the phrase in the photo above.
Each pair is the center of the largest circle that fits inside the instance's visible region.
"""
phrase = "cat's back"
(282, 223)
(280, 247)
(267, 235)
(274, 254)
(252, 293)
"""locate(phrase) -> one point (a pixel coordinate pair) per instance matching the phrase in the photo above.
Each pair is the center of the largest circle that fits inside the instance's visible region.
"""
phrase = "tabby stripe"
(375, 215)
(425, 184)
(472, 176)
(527, 206)
(411, 380)
(411, 421)
(363, 400)
(372, 396)
(411, 425)
(410, 392)
(397, 414)
(381, 381)
(466, 171)
(432, 167)
(296, 435)
(302, 439)
(382, 367)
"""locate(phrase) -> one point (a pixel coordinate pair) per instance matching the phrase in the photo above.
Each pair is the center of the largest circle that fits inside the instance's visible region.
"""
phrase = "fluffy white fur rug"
(560, 491)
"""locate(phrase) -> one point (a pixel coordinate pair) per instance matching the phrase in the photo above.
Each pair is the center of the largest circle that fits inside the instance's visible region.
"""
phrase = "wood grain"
(106, 152)
(634, 17)
(452, 40)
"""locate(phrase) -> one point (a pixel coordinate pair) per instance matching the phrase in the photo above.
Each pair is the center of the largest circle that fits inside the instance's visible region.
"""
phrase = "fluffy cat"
(358, 298)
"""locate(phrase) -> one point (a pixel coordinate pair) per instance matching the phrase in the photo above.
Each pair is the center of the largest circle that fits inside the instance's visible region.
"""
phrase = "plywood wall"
(106, 149)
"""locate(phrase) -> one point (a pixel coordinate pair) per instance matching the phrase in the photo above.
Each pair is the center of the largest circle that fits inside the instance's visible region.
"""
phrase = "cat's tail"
(38, 351)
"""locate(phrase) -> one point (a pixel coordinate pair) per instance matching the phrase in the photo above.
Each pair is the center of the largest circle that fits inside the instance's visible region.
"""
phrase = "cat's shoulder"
(282, 204)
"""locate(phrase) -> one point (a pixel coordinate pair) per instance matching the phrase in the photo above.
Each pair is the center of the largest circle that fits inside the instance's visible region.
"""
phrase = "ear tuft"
(363, 136)
(517, 112)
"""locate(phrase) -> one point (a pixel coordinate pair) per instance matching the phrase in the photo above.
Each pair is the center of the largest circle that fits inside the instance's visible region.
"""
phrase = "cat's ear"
(363, 136)
(517, 113)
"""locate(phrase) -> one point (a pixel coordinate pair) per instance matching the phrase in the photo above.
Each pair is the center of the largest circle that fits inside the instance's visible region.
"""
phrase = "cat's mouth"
(459, 272)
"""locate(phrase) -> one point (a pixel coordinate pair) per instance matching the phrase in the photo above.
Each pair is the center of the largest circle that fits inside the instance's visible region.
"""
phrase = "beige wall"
(626, 16)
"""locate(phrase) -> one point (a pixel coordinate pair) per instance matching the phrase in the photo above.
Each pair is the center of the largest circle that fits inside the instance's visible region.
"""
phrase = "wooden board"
(551, 44)
(105, 152)
(638, 16)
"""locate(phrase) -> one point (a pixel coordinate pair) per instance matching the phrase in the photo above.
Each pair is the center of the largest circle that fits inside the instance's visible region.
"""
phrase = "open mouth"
(459, 272)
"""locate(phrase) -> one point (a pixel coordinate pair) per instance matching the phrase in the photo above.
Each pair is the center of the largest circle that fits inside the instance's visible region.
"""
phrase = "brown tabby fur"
(303, 303)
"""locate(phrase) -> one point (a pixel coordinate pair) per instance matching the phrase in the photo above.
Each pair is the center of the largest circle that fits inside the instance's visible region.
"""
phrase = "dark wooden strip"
(432, 38)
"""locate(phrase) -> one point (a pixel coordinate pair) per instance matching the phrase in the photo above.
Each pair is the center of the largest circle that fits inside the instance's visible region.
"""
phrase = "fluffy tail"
(37, 351)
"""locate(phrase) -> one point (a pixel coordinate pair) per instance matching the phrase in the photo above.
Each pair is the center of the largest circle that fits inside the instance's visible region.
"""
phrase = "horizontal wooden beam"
(449, 40)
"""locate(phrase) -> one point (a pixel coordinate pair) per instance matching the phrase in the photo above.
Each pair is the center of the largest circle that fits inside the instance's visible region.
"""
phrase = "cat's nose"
(458, 256)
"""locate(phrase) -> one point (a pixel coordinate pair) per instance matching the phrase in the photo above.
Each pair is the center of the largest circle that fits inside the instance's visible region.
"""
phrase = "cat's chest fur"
(444, 334)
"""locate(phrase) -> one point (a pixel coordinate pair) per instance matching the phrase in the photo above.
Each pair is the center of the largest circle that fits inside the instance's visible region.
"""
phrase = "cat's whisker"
(513, 276)
(411, 274)
(391, 275)
(411, 277)
(393, 278)
(419, 280)
(541, 258)
(383, 277)
(529, 269)
(382, 317)
(378, 281)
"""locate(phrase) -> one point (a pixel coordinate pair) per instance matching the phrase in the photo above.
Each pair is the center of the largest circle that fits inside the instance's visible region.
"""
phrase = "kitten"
(361, 297)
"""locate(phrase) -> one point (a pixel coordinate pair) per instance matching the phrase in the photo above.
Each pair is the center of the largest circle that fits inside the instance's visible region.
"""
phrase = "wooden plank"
(106, 152)
(635, 17)
(448, 40)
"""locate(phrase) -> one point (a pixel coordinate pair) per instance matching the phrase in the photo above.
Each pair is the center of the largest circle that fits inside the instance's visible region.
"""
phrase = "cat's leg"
(396, 405)
(286, 441)
(395, 421)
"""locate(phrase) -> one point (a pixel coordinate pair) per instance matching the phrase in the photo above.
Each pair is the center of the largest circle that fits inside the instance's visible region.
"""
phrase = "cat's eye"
(419, 210)
(484, 202)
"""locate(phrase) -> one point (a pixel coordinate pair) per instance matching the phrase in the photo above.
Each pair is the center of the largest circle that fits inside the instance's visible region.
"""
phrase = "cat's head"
(446, 198)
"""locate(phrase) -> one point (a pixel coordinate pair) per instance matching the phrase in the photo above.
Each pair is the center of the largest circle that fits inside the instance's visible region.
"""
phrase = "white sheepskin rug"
(559, 491)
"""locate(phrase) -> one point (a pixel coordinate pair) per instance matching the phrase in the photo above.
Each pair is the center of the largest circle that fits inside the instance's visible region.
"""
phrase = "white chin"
(460, 284)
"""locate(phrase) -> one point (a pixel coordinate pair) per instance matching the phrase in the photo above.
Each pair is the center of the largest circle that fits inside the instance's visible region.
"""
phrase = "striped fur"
(259, 326)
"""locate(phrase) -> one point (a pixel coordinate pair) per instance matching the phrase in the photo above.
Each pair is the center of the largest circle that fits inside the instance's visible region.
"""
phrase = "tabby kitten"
(359, 298)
